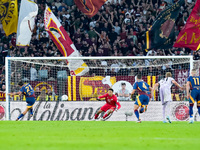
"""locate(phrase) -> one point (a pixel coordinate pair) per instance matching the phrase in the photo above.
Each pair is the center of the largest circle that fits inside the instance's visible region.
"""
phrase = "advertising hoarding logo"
(2, 112)
(181, 76)
(92, 87)
(2, 96)
(58, 111)
(43, 86)
(181, 112)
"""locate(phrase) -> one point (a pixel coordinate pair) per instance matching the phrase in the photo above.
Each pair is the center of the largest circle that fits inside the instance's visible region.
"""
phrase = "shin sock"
(137, 114)
(191, 110)
(96, 116)
(20, 116)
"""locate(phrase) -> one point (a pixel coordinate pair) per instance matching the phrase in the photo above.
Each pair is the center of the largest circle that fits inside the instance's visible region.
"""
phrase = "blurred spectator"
(43, 96)
(123, 93)
(33, 73)
(2, 88)
(92, 33)
(37, 92)
(26, 72)
(128, 18)
(57, 3)
(175, 94)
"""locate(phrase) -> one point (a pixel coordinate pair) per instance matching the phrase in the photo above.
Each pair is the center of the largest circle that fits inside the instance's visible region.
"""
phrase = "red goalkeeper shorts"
(107, 107)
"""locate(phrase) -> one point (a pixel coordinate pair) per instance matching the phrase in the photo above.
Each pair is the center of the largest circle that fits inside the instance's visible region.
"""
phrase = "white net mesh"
(51, 78)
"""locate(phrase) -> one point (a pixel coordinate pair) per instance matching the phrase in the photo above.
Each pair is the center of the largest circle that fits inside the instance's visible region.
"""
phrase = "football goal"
(86, 78)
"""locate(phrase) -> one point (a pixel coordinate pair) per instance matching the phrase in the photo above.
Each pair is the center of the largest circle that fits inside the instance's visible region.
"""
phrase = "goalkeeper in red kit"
(110, 106)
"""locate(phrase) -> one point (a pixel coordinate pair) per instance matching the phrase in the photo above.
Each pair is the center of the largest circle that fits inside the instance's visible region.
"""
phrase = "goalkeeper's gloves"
(98, 99)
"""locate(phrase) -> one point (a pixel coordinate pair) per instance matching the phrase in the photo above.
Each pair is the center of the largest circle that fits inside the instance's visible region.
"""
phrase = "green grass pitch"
(98, 135)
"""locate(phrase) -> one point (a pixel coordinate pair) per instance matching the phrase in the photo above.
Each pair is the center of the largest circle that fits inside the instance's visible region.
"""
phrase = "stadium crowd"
(116, 30)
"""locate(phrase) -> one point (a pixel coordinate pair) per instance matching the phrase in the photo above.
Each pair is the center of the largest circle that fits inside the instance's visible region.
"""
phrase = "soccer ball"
(64, 98)
(127, 113)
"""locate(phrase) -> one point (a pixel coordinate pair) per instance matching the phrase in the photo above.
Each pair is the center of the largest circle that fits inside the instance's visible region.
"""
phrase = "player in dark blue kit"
(193, 85)
(143, 97)
(28, 91)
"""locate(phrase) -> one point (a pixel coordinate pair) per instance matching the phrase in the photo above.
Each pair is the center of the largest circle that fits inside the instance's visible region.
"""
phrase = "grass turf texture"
(99, 135)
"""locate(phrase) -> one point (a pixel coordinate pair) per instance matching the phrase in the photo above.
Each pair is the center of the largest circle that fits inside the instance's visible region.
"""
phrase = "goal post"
(53, 80)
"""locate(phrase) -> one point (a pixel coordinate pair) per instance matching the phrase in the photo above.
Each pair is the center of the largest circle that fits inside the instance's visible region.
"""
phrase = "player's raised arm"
(174, 82)
(154, 88)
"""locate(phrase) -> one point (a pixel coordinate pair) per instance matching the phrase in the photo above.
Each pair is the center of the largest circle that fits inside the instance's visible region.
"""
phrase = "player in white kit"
(165, 93)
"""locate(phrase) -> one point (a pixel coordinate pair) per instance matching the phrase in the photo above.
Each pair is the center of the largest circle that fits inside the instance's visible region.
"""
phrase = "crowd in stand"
(116, 30)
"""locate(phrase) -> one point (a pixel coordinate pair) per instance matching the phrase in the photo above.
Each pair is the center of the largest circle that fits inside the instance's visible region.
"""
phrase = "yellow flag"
(9, 15)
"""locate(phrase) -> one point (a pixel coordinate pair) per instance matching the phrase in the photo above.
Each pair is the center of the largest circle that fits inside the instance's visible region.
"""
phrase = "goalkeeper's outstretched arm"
(100, 97)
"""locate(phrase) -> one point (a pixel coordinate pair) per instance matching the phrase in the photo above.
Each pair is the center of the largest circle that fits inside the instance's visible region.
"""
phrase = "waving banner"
(190, 35)
(9, 15)
(64, 43)
(89, 7)
(28, 12)
(161, 35)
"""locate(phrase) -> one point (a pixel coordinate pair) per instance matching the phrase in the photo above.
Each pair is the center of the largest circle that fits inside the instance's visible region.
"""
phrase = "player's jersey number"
(196, 81)
(28, 89)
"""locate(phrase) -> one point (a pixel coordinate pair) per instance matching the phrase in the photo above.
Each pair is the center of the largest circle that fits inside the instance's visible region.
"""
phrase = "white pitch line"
(160, 138)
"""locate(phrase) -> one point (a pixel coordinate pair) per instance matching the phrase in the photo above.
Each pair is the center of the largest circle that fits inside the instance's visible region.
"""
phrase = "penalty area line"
(160, 138)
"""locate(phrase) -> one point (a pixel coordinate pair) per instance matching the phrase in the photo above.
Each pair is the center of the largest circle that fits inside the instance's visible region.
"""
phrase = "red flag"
(89, 7)
(189, 36)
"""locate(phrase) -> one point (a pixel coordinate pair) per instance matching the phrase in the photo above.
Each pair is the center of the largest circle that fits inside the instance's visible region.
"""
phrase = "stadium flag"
(64, 43)
(89, 7)
(161, 35)
(9, 16)
(28, 12)
(189, 36)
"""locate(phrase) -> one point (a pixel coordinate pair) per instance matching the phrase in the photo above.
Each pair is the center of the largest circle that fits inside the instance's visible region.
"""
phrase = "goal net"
(54, 78)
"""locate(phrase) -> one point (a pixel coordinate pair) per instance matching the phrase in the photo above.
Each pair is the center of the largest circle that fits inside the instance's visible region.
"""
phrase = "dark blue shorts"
(30, 101)
(142, 100)
(195, 96)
